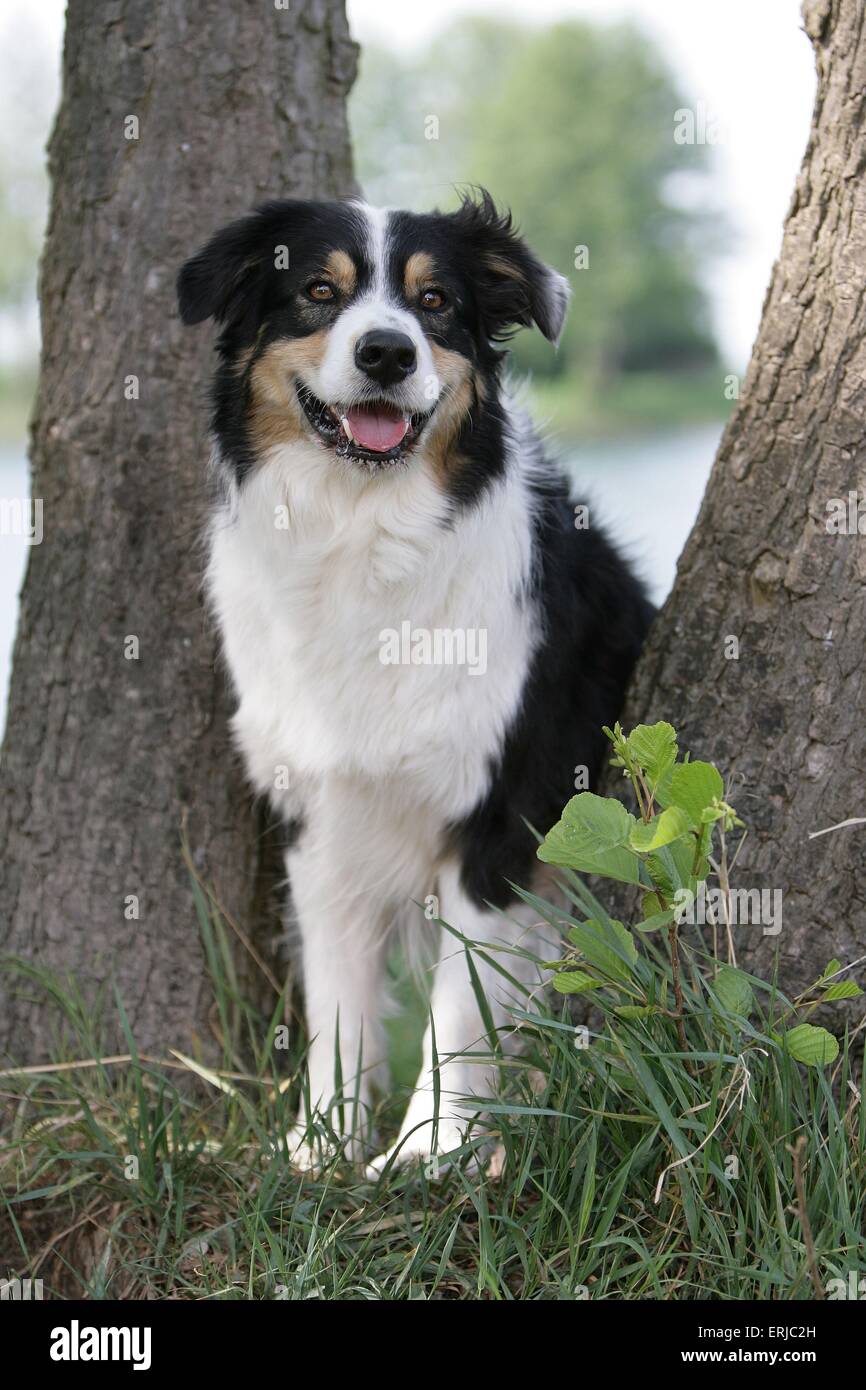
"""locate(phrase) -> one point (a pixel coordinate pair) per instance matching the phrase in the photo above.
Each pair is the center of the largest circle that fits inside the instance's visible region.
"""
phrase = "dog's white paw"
(311, 1151)
(302, 1154)
(313, 1148)
(415, 1147)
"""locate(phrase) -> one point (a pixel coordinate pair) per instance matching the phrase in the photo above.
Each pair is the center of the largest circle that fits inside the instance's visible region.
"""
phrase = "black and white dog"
(423, 644)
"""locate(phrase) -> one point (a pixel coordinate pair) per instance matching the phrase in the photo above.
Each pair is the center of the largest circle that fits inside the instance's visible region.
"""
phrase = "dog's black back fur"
(596, 616)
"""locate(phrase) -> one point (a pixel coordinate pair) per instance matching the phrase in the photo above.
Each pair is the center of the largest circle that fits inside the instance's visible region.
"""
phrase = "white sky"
(747, 61)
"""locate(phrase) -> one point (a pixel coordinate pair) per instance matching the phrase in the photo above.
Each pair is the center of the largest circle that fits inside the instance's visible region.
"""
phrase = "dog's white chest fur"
(316, 582)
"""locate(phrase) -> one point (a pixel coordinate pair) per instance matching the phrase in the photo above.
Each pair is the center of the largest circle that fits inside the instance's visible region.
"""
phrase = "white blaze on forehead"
(337, 380)
(377, 220)
(379, 296)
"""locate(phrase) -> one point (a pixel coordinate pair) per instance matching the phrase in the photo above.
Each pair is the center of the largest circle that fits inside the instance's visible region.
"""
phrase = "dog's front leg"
(342, 940)
(464, 1064)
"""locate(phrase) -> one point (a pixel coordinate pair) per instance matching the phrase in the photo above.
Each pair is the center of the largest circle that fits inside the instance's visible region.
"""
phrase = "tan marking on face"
(459, 388)
(340, 268)
(275, 414)
(418, 274)
(500, 265)
(242, 361)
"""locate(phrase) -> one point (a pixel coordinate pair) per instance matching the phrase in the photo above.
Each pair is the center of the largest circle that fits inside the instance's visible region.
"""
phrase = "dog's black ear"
(221, 279)
(213, 282)
(514, 287)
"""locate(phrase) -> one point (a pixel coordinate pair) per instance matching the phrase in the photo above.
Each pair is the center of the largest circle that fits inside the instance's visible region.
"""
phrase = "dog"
(423, 637)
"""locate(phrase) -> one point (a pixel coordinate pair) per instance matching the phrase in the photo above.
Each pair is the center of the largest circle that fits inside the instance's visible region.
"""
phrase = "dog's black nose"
(385, 355)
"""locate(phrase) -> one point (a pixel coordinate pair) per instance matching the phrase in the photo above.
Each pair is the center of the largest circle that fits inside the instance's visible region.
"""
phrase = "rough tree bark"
(785, 720)
(235, 101)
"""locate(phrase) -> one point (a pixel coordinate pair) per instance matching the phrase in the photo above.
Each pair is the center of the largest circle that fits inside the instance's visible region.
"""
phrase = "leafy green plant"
(665, 852)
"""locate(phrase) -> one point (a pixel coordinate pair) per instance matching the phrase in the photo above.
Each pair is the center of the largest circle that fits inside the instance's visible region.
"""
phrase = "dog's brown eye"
(321, 292)
(433, 300)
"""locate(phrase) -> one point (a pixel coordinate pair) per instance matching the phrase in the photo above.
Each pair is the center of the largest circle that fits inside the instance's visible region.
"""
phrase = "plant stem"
(640, 805)
(796, 1152)
(673, 940)
(674, 943)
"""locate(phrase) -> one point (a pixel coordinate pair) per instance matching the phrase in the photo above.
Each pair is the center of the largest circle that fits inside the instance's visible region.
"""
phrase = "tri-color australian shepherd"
(423, 643)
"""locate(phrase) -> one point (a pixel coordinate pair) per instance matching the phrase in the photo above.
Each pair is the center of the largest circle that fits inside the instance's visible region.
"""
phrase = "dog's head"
(363, 331)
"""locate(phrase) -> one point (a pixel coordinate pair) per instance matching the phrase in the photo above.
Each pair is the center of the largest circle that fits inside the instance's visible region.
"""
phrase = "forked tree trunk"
(786, 718)
(175, 117)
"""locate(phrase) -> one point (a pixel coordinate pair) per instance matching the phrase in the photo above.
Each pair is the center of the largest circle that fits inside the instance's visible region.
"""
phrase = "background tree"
(173, 118)
(572, 127)
(767, 565)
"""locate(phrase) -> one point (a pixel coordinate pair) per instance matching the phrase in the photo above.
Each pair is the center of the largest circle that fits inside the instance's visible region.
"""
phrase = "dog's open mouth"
(372, 430)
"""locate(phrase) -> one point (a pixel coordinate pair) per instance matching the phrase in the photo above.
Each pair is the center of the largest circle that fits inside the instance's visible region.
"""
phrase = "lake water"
(645, 490)
(648, 491)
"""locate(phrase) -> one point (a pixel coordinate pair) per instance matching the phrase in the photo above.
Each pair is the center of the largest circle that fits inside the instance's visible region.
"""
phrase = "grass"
(144, 1179)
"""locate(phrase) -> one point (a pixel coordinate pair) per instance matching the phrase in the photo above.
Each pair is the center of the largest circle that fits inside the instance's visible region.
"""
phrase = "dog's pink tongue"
(376, 427)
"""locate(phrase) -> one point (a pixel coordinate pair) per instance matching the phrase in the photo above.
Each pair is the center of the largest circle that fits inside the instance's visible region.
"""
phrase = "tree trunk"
(117, 713)
(785, 720)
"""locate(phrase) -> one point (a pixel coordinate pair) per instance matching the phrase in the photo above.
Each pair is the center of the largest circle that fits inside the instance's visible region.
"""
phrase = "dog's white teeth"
(347, 429)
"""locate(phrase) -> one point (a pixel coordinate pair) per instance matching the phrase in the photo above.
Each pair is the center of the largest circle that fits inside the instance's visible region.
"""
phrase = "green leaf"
(588, 1186)
(700, 863)
(734, 991)
(842, 989)
(830, 968)
(692, 787)
(813, 1046)
(636, 1010)
(654, 746)
(657, 920)
(670, 825)
(660, 869)
(669, 867)
(609, 946)
(682, 852)
(574, 982)
(592, 837)
(620, 744)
